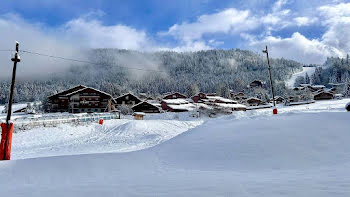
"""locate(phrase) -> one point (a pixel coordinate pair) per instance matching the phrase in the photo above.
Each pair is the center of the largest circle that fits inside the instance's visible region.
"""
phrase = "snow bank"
(284, 155)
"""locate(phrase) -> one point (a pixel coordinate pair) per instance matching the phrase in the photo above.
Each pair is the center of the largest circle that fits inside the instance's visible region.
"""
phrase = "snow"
(114, 136)
(302, 151)
(187, 106)
(259, 156)
(308, 70)
(219, 98)
(175, 101)
(228, 105)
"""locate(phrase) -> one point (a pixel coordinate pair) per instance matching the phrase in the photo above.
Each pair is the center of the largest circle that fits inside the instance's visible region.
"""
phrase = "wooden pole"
(271, 84)
(15, 60)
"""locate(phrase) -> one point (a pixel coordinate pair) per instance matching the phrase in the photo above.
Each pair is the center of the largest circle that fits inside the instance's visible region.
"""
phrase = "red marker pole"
(7, 129)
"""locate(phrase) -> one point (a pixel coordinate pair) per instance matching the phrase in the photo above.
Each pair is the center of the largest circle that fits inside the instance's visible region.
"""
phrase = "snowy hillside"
(308, 70)
(291, 154)
(113, 136)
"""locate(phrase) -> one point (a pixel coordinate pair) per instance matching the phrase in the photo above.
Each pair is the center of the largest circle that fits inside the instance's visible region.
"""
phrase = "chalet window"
(174, 96)
(127, 98)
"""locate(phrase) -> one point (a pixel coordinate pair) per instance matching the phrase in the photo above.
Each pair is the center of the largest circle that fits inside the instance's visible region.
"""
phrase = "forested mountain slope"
(207, 71)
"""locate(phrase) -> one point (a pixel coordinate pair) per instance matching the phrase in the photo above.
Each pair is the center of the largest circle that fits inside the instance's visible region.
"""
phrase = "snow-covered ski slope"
(114, 136)
(290, 154)
(308, 70)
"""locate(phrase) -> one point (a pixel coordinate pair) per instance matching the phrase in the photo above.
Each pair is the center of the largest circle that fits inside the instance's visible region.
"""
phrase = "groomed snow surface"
(308, 70)
(302, 151)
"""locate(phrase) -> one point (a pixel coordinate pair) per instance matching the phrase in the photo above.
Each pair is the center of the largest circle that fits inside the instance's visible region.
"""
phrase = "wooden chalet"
(238, 96)
(177, 105)
(323, 96)
(279, 99)
(145, 107)
(81, 99)
(315, 88)
(253, 101)
(198, 98)
(138, 115)
(128, 100)
(175, 95)
(256, 84)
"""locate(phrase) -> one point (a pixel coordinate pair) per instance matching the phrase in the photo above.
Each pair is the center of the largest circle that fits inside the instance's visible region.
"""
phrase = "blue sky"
(306, 31)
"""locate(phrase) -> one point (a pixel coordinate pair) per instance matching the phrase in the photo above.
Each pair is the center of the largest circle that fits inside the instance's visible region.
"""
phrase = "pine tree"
(307, 78)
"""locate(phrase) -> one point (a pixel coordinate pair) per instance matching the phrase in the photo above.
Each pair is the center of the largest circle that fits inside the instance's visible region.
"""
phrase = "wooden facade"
(175, 95)
(197, 98)
(128, 100)
(146, 108)
(81, 99)
(323, 96)
(254, 101)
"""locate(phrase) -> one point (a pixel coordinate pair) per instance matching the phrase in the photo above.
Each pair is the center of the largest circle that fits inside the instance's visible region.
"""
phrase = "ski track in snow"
(308, 70)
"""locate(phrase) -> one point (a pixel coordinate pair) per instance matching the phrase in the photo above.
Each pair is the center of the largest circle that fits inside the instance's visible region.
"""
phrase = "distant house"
(21, 110)
(175, 95)
(279, 99)
(323, 96)
(254, 101)
(177, 105)
(198, 98)
(145, 107)
(315, 88)
(217, 102)
(298, 89)
(81, 99)
(256, 84)
(238, 96)
(128, 100)
(138, 115)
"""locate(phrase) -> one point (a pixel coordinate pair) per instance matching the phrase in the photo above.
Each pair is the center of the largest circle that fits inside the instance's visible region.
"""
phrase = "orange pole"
(6, 141)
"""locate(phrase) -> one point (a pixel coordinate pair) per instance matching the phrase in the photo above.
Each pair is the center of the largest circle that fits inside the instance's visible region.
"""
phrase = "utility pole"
(271, 84)
(7, 128)
(15, 60)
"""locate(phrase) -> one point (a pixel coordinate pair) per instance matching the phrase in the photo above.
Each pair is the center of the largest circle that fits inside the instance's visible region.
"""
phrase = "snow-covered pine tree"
(307, 78)
(347, 89)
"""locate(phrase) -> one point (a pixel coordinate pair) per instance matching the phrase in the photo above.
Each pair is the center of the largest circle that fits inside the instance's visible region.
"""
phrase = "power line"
(84, 61)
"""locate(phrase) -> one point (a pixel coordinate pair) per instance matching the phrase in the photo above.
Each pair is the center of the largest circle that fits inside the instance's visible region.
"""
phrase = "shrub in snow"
(125, 110)
(347, 107)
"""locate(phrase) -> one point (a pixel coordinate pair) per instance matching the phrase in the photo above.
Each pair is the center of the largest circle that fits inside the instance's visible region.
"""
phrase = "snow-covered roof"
(253, 98)
(139, 113)
(305, 85)
(318, 86)
(78, 86)
(226, 105)
(202, 105)
(176, 101)
(219, 98)
(169, 94)
(128, 94)
(187, 107)
(102, 92)
(144, 102)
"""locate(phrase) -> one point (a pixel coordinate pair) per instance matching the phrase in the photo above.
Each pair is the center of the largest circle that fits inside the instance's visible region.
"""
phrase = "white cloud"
(298, 48)
(304, 21)
(67, 40)
(93, 34)
(278, 5)
(229, 21)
